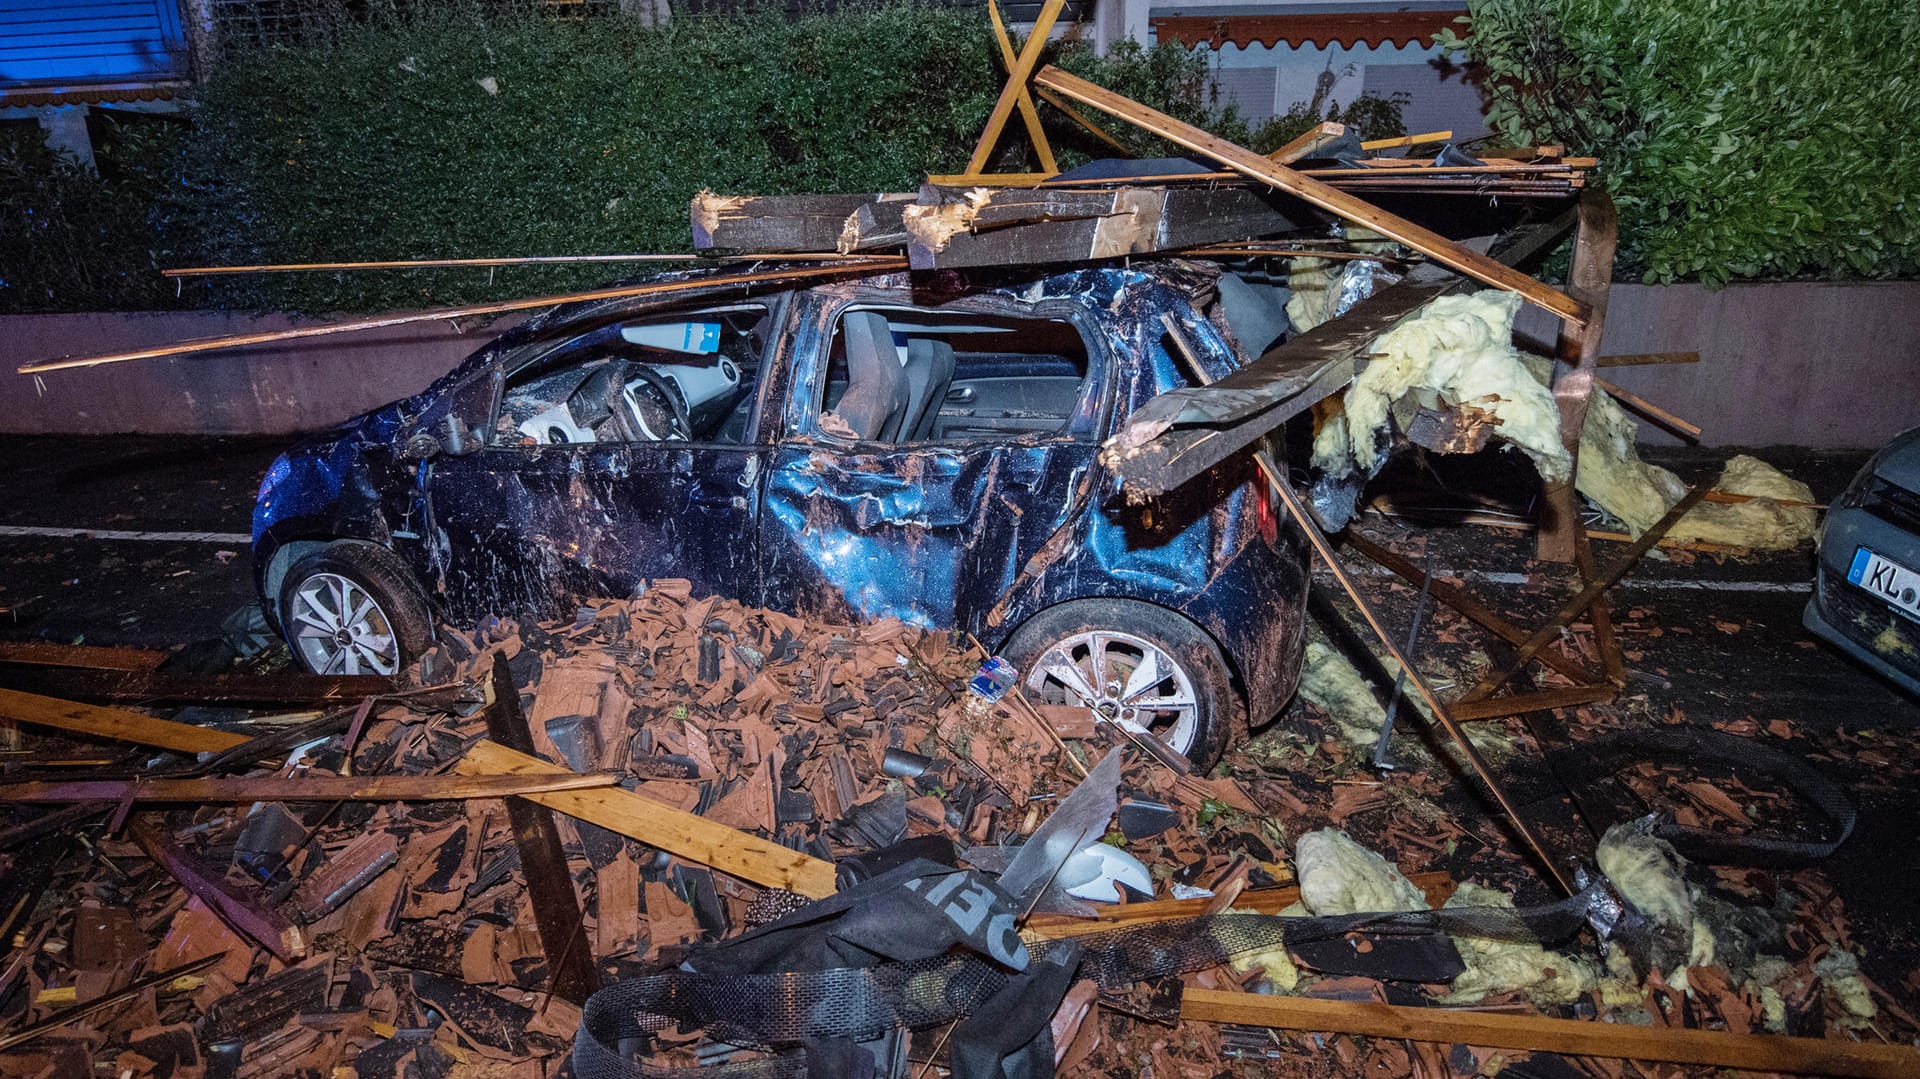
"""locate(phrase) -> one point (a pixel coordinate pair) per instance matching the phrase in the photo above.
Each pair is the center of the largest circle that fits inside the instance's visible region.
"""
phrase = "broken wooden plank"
(1541, 700)
(83, 656)
(556, 909)
(69, 1016)
(1181, 433)
(685, 287)
(1308, 142)
(72, 680)
(1455, 256)
(952, 228)
(675, 831)
(1571, 1037)
(785, 223)
(311, 788)
(1164, 443)
(245, 913)
(1459, 600)
(1550, 630)
(1437, 886)
(117, 724)
(1673, 423)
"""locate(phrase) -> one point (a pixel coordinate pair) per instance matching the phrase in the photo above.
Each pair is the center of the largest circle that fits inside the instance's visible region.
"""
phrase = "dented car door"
(931, 530)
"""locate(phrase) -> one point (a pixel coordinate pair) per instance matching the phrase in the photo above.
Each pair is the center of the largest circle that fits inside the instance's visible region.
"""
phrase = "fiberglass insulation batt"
(1459, 352)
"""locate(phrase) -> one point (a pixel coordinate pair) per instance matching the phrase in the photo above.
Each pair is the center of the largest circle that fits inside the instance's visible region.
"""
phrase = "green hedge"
(529, 136)
(1740, 138)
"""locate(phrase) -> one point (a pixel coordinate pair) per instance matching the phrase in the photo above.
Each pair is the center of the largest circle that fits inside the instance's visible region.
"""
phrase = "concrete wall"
(293, 386)
(1826, 366)
(1804, 364)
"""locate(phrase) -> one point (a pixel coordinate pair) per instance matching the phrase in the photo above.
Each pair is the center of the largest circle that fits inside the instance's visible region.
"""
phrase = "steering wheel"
(655, 407)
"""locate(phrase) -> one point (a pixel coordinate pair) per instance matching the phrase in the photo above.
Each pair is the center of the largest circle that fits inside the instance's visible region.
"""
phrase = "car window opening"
(904, 376)
(684, 377)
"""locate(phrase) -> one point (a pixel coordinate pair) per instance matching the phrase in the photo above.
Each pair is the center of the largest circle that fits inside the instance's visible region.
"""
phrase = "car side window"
(684, 377)
(906, 375)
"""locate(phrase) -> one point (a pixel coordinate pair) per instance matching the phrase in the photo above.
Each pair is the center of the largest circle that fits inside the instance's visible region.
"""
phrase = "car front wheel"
(347, 609)
(1143, 667)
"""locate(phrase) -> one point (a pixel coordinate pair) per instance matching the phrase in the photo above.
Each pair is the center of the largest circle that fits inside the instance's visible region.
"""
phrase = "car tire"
(1199, 708)
(388, 624)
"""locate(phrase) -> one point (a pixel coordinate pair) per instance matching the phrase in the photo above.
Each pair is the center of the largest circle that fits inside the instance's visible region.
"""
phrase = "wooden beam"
(1570, 1037)
(1016, 85)
(1473, 609)
(117, 724)
(1350, 207)
(1642, 359)
(682, 834)
(303, 789)
(1029, 115)
(85, 657)
(571, 971)
(1437, 886)
(250, 915)
(1540, 701)
(1578, 347)
(1308, 143)
(675, 831)
(1091, 128)
(1673, 423)
(1570, 610)
(151, 686)
(1406, 140)
(656, 288)
(784, 223)
(953, 227)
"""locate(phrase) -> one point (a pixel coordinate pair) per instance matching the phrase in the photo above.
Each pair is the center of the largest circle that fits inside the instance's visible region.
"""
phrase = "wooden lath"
(1347, 206)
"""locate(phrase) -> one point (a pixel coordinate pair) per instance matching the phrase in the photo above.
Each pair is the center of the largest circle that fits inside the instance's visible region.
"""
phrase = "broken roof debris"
(793, 796)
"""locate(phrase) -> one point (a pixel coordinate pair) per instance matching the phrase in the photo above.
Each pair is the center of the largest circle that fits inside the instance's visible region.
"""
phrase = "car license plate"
(1887, 579)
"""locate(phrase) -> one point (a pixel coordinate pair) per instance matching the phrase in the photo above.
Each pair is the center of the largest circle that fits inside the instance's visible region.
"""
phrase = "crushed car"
(924, 447)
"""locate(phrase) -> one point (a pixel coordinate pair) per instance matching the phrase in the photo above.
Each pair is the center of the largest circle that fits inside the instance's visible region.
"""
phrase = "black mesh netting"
(785, 1010)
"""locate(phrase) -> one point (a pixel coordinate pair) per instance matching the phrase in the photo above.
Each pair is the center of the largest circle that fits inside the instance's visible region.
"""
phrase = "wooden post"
(1579, 353)
(556, 909)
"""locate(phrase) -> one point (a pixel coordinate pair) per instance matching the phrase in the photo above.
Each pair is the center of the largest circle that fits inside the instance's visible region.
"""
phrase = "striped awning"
(1322, 30)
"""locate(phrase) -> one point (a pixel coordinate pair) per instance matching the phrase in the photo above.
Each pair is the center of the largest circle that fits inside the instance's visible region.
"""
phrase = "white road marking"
(1657, 584)
(236, 538)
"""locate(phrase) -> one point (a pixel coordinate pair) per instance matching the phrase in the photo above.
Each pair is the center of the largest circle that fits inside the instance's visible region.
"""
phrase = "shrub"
(486, 130)
(1757, 139)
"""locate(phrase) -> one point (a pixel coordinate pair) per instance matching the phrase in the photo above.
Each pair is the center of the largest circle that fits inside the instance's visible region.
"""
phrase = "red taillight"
(1265, 515)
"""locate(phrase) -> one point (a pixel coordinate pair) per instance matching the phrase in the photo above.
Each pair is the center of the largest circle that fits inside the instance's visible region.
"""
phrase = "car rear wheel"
(349, 609)
(1143, 667)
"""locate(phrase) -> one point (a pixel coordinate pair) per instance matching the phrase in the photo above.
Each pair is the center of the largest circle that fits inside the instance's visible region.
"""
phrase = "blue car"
(1866, 598)
(922, 447)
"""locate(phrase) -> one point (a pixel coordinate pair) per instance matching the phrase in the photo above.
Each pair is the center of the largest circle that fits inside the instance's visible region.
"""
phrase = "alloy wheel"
(339, 628)
(1122, 678)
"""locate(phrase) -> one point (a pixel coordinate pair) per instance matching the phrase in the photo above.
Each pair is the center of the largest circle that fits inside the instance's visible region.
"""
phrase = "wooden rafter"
(1348, 206)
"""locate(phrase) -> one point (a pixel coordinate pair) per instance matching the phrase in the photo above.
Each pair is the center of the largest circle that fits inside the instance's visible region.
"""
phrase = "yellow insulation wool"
(1500, 966)
(1339, 876)
(1460, 350)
